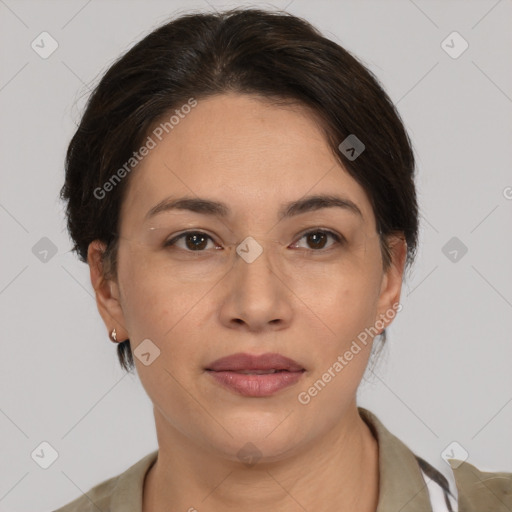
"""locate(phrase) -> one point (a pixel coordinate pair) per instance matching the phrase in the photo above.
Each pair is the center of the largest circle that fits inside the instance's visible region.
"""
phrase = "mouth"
(256, 385)
(258, 372)
(256, 364)
(255, 376)
(255, 372)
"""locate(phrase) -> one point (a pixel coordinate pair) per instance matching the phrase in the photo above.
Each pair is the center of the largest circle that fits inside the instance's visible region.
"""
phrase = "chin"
(270, 438)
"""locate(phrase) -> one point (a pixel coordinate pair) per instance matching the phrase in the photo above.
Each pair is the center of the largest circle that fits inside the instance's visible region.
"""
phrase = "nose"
(256, 296)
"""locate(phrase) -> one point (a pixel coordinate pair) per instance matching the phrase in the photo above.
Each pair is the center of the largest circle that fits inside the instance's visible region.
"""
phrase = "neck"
(337, 472)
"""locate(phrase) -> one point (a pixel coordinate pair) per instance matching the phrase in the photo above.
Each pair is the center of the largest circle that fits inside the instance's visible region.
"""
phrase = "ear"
(106, 291)
(391, 285)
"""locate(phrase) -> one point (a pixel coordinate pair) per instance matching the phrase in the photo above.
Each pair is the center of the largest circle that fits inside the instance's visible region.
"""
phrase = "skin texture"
(301, 301)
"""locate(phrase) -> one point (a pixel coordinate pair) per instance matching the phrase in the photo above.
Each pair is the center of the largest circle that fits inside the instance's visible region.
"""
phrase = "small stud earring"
(113, 336)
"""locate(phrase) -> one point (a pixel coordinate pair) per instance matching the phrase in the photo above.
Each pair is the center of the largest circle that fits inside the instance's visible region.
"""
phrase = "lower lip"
(256, 385)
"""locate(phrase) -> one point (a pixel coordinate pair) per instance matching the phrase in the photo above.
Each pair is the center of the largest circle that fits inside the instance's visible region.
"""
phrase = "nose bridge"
(255, 296)
(256, 286)
(254, 258)
(249, 249)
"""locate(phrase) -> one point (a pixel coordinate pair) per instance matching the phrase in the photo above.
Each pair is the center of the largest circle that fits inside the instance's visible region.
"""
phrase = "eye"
(194, 241)
(197, 241)
(317, 238)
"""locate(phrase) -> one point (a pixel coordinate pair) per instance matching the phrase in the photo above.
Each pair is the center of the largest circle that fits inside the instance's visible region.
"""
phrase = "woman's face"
(305, 296)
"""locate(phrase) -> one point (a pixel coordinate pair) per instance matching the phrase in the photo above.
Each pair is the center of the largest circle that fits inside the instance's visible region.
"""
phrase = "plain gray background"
(446, 372)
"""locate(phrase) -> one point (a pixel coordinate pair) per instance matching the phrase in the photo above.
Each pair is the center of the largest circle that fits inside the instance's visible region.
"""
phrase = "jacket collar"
(127, 495)
(401, 484)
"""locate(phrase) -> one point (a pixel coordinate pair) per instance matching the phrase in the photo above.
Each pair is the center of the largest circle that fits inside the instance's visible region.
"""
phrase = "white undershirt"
(436, 494)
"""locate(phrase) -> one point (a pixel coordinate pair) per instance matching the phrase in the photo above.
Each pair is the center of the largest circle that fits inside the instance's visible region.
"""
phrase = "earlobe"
(106, 291)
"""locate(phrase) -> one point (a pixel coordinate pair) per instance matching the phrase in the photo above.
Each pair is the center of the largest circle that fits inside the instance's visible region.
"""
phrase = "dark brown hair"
(271, 54)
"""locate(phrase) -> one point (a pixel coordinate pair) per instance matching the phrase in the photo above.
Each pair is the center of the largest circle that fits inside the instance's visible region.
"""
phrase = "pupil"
(195, 238)
(316, 239)
(315, 235)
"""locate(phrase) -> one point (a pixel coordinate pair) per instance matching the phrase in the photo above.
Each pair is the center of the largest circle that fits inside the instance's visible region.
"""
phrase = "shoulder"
(99, 497)
(481, 491)
(121, 492)
(399, 468)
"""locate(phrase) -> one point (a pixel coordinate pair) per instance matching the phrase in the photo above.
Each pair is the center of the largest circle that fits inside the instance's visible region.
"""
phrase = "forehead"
(245, 151)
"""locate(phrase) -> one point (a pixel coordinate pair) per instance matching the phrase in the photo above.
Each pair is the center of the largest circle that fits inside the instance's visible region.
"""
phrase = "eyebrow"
(221, 210)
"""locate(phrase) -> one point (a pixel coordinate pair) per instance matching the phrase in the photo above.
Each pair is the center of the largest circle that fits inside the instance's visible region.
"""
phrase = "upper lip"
(242, 361)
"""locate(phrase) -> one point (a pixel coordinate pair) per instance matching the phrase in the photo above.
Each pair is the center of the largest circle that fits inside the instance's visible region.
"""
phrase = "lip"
(242, 361)
(229, 372)
(256, 385)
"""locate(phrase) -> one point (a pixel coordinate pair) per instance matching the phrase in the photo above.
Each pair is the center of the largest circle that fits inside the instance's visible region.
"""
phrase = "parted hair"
(274, 55)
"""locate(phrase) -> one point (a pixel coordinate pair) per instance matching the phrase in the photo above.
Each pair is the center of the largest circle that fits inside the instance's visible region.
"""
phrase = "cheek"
(345, 302)
(345, 306)
(339, 296)
(160, 305)
(345, 348)
(149, 295)
(157, 308)
(346, 312)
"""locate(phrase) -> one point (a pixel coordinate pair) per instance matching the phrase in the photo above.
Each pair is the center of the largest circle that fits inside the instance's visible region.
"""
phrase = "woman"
(242, 190)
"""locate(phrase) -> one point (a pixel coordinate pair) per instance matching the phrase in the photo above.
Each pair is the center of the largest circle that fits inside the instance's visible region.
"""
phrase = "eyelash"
(339, 239)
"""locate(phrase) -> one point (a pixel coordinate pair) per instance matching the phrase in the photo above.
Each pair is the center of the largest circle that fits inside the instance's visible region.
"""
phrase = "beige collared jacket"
(407, 483)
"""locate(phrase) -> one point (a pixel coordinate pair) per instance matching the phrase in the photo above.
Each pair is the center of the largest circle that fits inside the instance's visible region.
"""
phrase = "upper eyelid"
(338, 237)
(334, 234)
